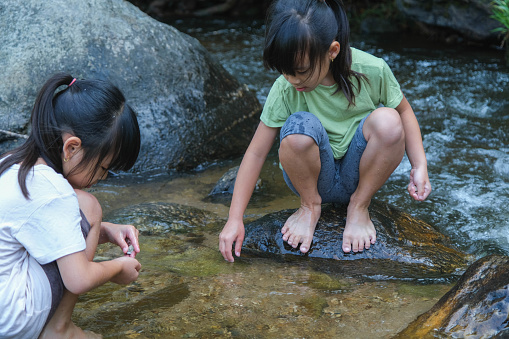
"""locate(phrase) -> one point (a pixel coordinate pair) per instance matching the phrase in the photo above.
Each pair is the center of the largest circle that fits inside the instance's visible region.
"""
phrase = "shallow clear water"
(461, 99)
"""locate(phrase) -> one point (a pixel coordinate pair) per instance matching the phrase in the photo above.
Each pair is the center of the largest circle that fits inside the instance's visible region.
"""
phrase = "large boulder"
(477, 307)
(190, 109)
(469, 18)
(406, 248)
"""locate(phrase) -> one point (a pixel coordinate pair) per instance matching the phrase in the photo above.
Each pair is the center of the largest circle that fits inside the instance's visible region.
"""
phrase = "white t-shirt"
(33, 232)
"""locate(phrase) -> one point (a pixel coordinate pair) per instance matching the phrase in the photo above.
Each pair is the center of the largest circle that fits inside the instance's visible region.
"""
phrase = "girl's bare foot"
(300, 227)
(359, 231)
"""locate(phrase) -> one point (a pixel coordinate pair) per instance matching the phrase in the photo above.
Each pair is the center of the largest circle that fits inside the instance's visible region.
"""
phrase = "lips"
(300, 89)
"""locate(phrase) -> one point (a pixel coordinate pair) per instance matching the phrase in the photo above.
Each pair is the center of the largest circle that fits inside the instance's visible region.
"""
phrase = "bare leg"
(61, 325)
(384, 133)
(300, 158)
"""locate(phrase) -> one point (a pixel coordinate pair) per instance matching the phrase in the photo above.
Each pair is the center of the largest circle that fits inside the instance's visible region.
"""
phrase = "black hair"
(295, 28)
(94, 111)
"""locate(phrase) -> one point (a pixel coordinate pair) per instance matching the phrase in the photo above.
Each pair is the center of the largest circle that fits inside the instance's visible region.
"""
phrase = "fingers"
(225, 247)
(132, 236)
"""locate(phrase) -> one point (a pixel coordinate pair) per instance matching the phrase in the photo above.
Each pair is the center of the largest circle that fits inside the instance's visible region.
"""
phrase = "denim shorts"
(338, 178)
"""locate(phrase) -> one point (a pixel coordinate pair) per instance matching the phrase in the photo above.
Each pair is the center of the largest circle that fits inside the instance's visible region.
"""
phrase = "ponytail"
(94, 111)
(44, 140)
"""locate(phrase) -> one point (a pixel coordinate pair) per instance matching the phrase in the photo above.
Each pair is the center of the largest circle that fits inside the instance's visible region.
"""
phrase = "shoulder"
(281, 84)
(364, 62)
(45, 176)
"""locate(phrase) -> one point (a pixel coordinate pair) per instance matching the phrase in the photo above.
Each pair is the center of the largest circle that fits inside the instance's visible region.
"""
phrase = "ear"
(72, 145)
(334, 49)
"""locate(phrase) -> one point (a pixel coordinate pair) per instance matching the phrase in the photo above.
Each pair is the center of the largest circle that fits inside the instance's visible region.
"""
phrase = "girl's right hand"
(130, 271)
(232, 232)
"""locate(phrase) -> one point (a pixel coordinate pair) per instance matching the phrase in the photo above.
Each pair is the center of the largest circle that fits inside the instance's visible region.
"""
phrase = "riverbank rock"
(190, 108)
(477, 307)
(405, 247)
(469, 19)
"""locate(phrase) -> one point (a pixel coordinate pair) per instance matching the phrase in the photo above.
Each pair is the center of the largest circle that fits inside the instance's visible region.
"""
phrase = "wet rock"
(158, 218)
(471, 19)
(223, 190)
(477, 307)
(190, 109)
(226, 183)
(405, 247)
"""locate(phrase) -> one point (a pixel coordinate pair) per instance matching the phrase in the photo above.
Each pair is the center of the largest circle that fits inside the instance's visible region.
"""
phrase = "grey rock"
(189, 108)
(469, 18)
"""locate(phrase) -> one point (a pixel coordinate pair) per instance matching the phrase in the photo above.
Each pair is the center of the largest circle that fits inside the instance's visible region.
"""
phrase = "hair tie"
(72, 82)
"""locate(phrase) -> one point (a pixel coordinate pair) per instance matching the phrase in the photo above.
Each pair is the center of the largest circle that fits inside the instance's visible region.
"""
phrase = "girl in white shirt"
(49, 227)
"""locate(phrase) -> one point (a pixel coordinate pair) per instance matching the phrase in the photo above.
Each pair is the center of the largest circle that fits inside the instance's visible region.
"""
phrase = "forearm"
(250, 169)
(104, 235)
(245, 183)
(413, 138)
(86, 275)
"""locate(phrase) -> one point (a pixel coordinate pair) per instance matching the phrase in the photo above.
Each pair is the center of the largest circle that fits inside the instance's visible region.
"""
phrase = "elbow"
(78, 287)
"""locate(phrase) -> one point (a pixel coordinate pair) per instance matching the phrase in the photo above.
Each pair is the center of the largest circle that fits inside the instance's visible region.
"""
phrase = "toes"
(355, 246)
(294, 241)
(346, 246)
(305, 246)
(367, 243)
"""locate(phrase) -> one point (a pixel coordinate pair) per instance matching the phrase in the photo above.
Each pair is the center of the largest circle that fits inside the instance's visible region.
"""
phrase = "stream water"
(461, 98)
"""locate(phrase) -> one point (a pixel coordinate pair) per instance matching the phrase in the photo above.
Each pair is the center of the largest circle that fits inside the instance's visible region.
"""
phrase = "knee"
(296, 144)
(386, 125)
(90, 207)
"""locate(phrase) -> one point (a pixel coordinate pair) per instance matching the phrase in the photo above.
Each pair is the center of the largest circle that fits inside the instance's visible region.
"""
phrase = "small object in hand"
(130, 250)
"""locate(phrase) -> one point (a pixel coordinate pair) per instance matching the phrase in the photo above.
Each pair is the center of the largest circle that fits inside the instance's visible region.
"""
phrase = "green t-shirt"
(339, 120)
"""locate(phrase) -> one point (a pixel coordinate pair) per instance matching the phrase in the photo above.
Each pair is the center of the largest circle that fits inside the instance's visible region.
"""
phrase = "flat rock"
(402, 241)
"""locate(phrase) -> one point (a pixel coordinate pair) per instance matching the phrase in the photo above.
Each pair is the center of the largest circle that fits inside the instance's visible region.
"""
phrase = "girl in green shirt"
(344, 126)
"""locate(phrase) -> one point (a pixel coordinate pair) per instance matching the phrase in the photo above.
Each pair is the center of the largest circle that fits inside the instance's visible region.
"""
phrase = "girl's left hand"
(121, 235)
(419, 186)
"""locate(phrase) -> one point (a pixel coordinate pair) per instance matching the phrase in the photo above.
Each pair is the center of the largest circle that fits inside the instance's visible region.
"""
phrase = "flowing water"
(461, 99)
(460, 96)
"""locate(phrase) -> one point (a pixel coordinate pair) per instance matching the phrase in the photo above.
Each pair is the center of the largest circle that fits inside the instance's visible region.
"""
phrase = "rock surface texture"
(469, 18)
(477, 307)
(410, 247)
(190, 108)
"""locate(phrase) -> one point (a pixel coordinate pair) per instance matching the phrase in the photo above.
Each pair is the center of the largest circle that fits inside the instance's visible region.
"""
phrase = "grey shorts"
(338, 178)
(54, 277)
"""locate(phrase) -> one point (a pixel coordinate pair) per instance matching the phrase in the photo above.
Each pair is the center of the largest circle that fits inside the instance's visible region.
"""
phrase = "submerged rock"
(402, 241)
(223, 190)
(158, 218)
(477, 307)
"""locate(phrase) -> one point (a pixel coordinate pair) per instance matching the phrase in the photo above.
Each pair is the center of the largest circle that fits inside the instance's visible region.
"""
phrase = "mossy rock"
(157, 218)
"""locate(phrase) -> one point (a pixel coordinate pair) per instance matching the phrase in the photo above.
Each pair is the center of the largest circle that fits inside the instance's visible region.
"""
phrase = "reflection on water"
(187, 290)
